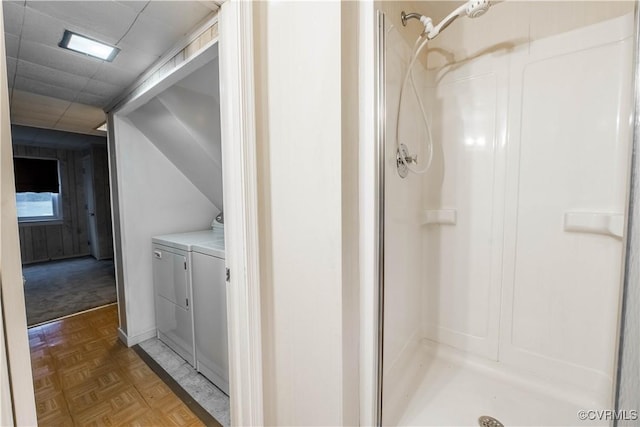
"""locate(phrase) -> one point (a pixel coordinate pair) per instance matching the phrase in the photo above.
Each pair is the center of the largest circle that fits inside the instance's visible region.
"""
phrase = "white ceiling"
(59, 89)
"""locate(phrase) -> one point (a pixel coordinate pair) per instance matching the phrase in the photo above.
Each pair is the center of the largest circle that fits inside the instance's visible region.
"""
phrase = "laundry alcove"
(165, 154)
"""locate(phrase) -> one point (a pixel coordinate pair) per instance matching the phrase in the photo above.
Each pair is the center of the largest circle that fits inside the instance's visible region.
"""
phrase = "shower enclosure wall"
(503, 263)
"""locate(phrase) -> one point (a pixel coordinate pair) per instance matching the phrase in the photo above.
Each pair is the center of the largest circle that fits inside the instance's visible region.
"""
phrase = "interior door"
(92, 225)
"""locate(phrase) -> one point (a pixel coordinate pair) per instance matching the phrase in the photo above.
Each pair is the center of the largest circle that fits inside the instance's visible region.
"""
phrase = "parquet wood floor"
(84, 376)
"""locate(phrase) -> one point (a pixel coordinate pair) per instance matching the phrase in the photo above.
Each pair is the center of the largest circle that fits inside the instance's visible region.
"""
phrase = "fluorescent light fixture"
(102, 127)
(88, 46)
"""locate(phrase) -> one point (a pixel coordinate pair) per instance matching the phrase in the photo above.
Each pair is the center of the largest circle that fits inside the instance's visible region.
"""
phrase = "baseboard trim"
(130, 341)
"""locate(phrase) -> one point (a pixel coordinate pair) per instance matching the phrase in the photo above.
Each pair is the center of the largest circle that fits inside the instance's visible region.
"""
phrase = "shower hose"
(421, 42)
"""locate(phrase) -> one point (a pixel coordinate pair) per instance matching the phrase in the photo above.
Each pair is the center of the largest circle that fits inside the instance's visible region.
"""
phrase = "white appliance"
(210, 311)
(172, 279)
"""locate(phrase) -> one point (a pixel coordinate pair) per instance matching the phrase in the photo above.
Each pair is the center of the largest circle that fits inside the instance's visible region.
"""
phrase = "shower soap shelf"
(610, 224)
(440, 216)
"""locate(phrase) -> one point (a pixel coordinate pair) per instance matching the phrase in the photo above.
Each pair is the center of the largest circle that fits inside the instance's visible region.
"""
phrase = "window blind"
(36, 175)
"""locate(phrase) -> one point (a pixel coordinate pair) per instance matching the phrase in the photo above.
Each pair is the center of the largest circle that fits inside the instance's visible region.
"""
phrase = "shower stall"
(502, 259)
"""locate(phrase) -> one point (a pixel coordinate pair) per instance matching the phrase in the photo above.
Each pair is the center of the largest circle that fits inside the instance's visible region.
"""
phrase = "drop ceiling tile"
(42, 115)
(19, 118)
(12, 44)
(13, 16)
(11, 70)
(34, 86)
(27, 121)
(11, 66)
(36, 115)
(41, 109)
(42, 28)
(99, 18)
(152, 36)
(181, 15)
(86, 112)
(59, 59)
(48, 30)
(28, 98)
(115, 75)
(133, 60)
(89, 99)
(102, 89)
(51, 76)
(136, 5)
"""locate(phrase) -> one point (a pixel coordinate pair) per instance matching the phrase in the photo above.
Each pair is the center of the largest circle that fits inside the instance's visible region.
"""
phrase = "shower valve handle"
(403, 158)
(411, 159)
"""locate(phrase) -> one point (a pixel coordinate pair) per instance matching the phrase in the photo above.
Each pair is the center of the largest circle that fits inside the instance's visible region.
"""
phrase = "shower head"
(477, 8)
(472, 9)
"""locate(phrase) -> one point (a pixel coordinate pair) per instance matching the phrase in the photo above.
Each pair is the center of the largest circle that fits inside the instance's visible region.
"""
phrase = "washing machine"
(172, 278)
(210, 312)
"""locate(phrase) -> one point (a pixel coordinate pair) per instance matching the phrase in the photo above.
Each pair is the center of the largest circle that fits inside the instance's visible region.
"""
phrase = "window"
(37, 189)
(37, 206)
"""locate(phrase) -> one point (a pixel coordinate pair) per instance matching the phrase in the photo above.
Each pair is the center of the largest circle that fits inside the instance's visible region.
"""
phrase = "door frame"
(371, 22)
(90, 202)
(238, 122)
(240, 190)
(240, 175)
(16, 382)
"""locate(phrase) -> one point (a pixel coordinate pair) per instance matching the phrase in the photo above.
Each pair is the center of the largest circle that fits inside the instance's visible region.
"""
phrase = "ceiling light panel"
(88, 46)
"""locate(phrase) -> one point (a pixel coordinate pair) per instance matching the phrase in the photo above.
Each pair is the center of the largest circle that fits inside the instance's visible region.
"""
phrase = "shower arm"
(429, 29)
(404, 17)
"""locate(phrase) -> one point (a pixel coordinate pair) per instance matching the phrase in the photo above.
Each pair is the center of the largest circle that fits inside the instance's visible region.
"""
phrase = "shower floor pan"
(455, 389)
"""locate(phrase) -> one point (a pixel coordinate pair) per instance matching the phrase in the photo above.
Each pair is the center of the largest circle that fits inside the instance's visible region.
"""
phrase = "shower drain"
(487, 421)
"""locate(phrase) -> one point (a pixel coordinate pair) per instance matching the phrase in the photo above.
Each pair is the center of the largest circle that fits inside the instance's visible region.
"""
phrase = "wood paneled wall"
(69, 239)
(101, 191)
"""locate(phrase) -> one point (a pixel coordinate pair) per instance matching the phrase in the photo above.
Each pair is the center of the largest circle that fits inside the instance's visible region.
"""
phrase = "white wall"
(154, 198)
(521, 136)
(629, 363)
(14, 358)
(350, 212)
(298, 73)
(183, 122)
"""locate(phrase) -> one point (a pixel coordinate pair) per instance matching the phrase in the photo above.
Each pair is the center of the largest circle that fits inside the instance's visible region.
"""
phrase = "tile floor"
(84, 376)
(210, 397)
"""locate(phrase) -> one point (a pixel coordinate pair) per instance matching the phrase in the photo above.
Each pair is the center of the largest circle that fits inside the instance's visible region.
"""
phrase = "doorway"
(67, 254)
(238, 33)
